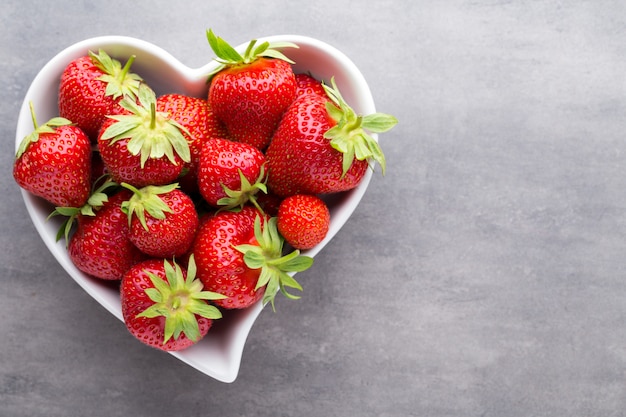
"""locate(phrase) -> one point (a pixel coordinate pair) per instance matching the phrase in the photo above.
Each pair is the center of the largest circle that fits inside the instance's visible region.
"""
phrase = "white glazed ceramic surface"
(219, 353)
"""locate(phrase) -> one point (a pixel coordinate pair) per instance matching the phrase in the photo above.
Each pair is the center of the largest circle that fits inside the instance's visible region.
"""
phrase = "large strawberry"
(240, 256)
(231, 173)
(201, 125)
(91, 87)
(165, 306)
(250, 92)
(322, 146)
(143, 146)
(101, 246)
(163, 220)
(54, 162)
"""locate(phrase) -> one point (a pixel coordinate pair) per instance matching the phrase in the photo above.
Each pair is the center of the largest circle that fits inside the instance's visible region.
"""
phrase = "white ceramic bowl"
(219, 353)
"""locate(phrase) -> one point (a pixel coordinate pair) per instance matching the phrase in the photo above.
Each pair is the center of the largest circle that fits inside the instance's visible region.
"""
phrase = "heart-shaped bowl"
(219, 353)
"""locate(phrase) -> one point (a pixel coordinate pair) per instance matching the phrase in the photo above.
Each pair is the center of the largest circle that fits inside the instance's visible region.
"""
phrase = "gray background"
(484, 275)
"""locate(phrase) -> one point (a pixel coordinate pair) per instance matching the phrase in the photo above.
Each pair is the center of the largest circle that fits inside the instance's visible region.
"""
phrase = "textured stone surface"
(484, 275)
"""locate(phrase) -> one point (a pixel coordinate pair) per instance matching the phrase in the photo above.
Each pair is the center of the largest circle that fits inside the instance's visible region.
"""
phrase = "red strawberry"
(163, 220)
(100, 246)
(321, 146)
(240, 257)
(306, 84)
(54, 162)
(91, 88)
(249, 93)
(142, 146)
(195, 115)
(231, 173)
(164, 305)
(303, 220)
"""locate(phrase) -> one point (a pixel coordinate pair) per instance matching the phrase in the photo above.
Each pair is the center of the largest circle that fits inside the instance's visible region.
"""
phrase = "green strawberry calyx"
(227, 56)
(145, 200)
(179, 299)
(48, 127)
(96, 200)
(276, 269)
(150, 134)
(119, 80)
(350, 135)
(236, 199)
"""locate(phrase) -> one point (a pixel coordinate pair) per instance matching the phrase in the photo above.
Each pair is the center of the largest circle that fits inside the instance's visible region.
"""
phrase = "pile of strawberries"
(195, 204)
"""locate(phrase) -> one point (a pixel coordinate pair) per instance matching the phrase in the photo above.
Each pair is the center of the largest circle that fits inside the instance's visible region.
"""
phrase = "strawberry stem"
(126, 68)
(152, 115)
(32, 114)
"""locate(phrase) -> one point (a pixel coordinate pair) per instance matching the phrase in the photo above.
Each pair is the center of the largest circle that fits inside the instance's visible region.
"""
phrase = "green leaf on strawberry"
(96, 200)
(236, 199)
(276, 268)
(47, 127)
(179, 300)
(350, 135)
(119, 80)
(226, 55)
(145, 200)
(151, 134)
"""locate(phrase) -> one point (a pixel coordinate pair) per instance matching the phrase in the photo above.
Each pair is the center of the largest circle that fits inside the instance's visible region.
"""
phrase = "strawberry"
(321, 146)
(306, 84)
(164, 305)
(195, 115)
(54, 162)
(303, 220)
(91, 87)
(162, 219)
(100, 246)
(249, 93)
(240, 255)
(143, 146)
(231, 173)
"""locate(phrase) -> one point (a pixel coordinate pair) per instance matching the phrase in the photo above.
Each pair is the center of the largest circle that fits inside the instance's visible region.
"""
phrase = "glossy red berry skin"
(250, 99)
(134, 300)
(171, 236)
(100, 246)
(221, 267)
(57, 167)
(83, 98)
(303, 220)
(301, 160)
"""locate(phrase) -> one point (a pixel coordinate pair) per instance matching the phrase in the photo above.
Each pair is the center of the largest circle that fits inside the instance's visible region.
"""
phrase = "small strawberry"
(91, 87)
(321, 146)
(240, 256)
(143, 146)
(249, 93)
(306, 84)
(303, 220)
(54, 162)
(201, 125)
(100, 246)
(231, 173)
(162, 220)
(164, 305)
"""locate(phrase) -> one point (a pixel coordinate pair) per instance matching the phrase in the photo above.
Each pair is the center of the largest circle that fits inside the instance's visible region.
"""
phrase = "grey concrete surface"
(484, 275)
